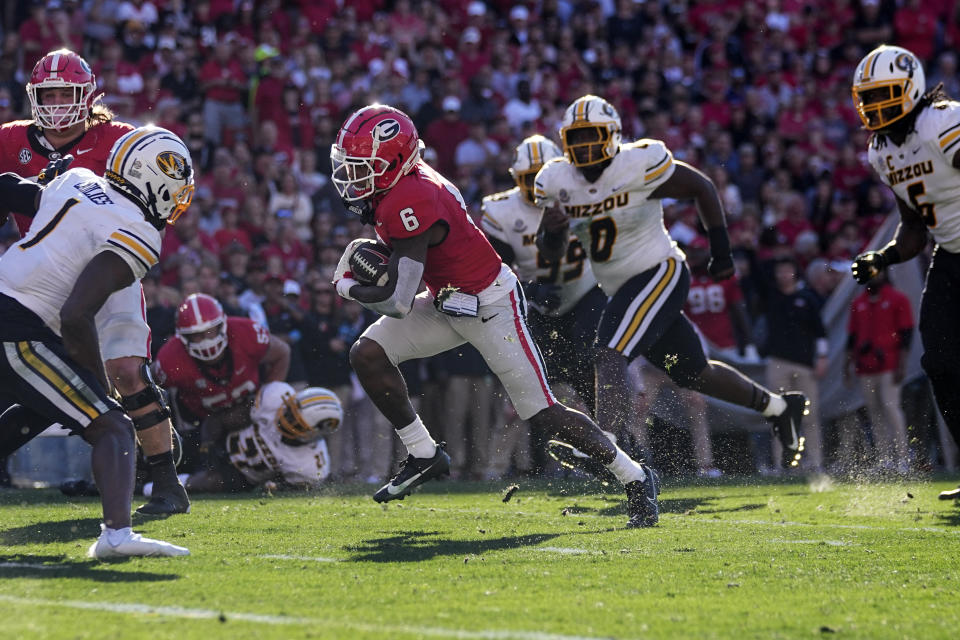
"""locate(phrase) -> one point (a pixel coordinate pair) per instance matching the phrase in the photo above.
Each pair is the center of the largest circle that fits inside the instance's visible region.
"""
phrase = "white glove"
(343, 267)
(343, 286)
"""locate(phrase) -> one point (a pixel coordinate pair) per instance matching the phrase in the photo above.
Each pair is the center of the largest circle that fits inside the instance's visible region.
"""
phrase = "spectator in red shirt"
(794, 222)
(880, 330)
(445, 133)
(915, 28)
(224, 85)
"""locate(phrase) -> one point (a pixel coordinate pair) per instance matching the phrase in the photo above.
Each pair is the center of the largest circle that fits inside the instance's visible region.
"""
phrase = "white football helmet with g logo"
(598, 117)
(528, 157)
(309, 415)
(887, 85)
(151, 166)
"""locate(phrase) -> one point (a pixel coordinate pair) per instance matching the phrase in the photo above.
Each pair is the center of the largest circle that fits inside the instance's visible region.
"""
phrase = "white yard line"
(283, 556)
(831, 543)
(566, 550)
(202, 614)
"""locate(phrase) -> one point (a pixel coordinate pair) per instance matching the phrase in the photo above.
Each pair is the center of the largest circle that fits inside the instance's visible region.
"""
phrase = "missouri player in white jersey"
(565, 302)
(915, 150)
(90, 237)
(70, 121)
(284, 442)
(608, 194)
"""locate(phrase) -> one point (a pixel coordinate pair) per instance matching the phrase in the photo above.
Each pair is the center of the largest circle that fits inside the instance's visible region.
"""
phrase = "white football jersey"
(921, 173)
(614, 219)
(258, 452)
(80, 216)
(508, 217)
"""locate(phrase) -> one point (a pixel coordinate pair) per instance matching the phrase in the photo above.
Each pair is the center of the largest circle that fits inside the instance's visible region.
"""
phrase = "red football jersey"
(708, 306)
(203, 389)
(22, 153)
(465, 259)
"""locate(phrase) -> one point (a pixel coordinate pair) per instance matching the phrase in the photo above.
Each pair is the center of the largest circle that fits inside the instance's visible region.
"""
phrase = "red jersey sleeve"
(247, 339)
(165, 368)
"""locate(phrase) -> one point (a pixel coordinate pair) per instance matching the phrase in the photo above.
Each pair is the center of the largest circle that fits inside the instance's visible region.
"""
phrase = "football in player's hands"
(369, 262)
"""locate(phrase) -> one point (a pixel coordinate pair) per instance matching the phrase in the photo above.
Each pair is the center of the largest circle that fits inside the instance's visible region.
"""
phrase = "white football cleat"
(131, 544)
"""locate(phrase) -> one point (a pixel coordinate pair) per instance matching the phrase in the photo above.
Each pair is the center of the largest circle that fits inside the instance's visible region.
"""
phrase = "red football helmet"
(58, 69)
(375, 147)
(199, 313)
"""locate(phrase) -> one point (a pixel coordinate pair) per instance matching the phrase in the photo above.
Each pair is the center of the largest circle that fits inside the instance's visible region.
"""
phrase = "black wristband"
(891, 254)
(719, 242)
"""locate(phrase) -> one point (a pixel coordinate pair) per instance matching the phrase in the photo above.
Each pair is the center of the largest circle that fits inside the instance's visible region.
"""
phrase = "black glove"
(544, 294)
(868, 266)
(361, 208)
(53, 169)
(721, 268)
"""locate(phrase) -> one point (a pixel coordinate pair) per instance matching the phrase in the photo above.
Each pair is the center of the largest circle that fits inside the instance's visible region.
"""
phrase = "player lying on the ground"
(90, 237)
(215, 366)
(283, 443)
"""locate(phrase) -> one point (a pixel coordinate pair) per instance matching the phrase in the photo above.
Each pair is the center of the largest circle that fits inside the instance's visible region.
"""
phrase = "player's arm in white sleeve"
(553, 234)
(494, 232)
(106, 273)
(687, 183)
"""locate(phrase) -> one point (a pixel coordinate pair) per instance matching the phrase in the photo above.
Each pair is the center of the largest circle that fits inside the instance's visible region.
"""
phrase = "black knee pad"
(152, 394)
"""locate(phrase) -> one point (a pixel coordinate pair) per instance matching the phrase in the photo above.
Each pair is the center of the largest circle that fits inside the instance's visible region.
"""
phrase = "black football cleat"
(166, 501)
(786, 427)
(572, 458)
(413, 473)
(950, 494)
(642, 504)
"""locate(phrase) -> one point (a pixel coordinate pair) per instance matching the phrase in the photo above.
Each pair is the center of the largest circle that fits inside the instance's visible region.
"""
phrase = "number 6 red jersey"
(465, 259)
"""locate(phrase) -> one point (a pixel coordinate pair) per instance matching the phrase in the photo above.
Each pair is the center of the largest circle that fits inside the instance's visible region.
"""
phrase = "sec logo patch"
(25, 156)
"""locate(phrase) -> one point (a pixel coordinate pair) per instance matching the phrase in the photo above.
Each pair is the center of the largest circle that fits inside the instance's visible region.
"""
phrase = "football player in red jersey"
(471, 297)
(68, 120)
(217, 364)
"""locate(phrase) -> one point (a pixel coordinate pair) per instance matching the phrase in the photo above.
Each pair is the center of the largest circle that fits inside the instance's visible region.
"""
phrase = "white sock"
(116, 536)
(417, 440)
(626, 468)
(776, 406)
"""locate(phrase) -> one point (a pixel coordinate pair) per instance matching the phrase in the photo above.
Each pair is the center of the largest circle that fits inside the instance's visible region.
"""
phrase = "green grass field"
(732, 559)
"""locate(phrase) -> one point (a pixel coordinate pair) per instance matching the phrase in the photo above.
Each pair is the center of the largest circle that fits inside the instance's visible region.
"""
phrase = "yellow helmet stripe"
(312, 400)
(581, 111)
(122, 152)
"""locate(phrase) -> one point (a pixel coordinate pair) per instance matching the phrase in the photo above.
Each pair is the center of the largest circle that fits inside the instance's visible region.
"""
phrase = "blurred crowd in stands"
(754, 93)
